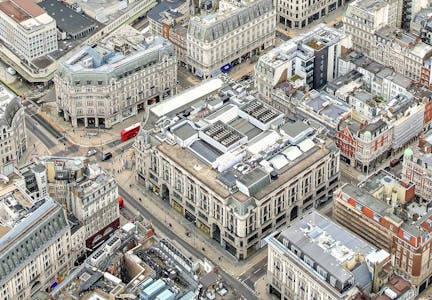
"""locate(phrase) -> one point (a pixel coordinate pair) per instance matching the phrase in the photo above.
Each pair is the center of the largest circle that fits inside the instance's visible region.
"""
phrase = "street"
(251, 276)
(161, 226)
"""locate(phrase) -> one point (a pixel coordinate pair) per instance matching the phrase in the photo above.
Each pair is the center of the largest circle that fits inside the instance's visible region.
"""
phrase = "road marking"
(256, 271)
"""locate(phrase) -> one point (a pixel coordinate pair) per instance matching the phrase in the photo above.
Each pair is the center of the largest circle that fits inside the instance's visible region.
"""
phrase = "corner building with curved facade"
(103, 85)
(13, 138)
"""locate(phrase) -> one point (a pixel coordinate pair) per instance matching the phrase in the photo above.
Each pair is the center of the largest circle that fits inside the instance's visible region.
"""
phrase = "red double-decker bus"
(130, 132)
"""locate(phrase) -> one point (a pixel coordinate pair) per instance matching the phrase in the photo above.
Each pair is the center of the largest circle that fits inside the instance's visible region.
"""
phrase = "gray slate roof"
(224, 26)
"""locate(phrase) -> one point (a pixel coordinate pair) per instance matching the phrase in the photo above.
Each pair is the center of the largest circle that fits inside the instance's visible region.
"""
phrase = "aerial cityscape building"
(229, 163)
(230, 149)
(317, 258)
(94, 85)
(35, 243)
(234, 33)
(13, 141)
(27, 29)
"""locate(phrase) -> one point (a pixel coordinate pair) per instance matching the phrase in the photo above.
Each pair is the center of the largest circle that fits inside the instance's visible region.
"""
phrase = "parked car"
(106, 156)
(394, 162)
(91, 152)
(245, 77)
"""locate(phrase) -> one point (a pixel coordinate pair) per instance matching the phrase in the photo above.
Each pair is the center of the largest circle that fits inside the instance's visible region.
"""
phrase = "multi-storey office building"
(404, 52)
(417, 167)
(87, 192)
(170, 20)
(364, 17)
(310, 58)
(104, 85)
(27, 29)
(372, 28)
(382, 211)
(298, 14)
(315, 258)
(35, 240)
(13, 137)
(235, 32)
(407, 10)
(229, 164)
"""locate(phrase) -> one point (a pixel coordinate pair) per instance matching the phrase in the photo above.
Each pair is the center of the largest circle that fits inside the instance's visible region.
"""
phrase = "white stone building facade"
(363, 18)
(102, 86)
(215, 185)
(234, 33)
(308, 59)
(39, 253)
(294, 14)
(13, 137)
(27, 29)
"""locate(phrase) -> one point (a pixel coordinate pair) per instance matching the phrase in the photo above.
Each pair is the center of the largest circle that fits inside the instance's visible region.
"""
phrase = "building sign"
(178, 207)
(165, 30)
(203, 227)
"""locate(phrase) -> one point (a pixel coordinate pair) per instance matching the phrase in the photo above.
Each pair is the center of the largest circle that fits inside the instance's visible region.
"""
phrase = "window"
(333, 281)
(406, 235)
(377, 217)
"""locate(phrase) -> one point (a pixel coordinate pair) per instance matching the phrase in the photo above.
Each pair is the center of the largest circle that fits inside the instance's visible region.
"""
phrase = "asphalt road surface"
(38, 133)
(250, 277)
(231, 282)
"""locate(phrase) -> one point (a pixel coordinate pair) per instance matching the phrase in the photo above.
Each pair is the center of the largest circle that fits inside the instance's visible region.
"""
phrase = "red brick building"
(382, 211)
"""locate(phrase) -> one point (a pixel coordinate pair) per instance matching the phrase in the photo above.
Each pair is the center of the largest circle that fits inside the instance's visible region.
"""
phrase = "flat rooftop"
(369, 5)
(328, 106)
(317, 38)
(111, 54)
(226, 136)
(67, 19)
(21, 10)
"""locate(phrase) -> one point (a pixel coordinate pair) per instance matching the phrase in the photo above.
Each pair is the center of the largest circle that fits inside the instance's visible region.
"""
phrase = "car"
(91, 152)
(394, 162)
(245, 77)
(106, 156)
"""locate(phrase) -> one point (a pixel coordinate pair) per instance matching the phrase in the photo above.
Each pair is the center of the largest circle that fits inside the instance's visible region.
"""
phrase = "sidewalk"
(330, 19)
(35, 148)
(85, 137)
(179, 225)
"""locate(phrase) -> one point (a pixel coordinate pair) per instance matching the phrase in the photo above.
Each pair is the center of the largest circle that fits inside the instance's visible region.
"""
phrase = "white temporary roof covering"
(292, 153)
(263, 141)
(306, 145)
(187, 96)
(279, 161)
